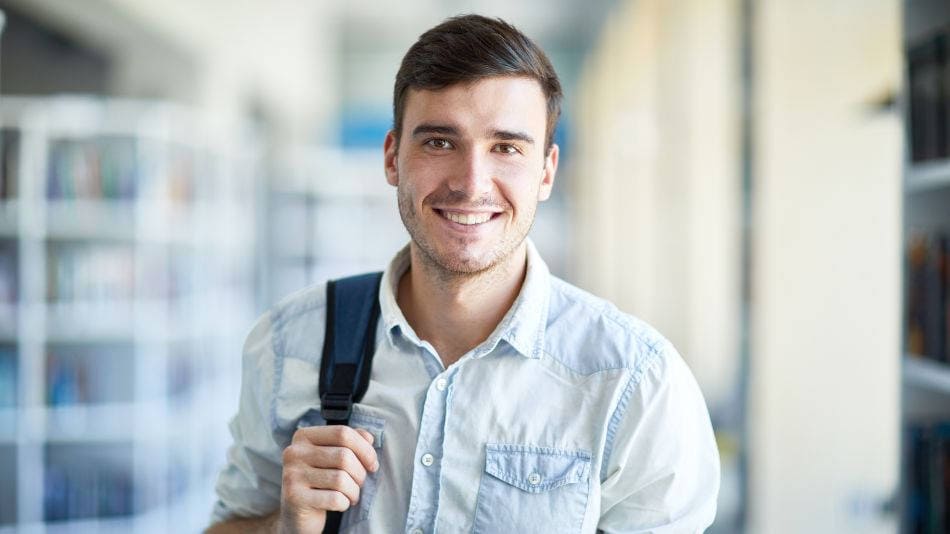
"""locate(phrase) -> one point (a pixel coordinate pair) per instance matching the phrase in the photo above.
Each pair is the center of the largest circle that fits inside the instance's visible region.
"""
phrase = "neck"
(455, 312)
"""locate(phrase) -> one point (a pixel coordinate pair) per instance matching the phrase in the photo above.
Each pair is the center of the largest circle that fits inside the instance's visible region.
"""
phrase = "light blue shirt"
(570, 417)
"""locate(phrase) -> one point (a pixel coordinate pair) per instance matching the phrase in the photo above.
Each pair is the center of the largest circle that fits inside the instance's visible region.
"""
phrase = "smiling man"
(501, 399)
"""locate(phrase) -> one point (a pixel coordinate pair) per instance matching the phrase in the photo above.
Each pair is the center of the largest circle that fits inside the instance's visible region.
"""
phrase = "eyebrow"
(442, 129)
(426, 128)
(506, 135)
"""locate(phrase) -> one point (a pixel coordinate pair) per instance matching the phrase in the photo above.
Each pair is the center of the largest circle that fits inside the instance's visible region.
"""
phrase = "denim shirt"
(571, 417)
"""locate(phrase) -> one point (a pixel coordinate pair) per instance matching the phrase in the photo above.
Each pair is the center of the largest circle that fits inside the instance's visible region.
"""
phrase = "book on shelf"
(9, 156)
(928, 478)
(928, 296)
(90, 273)
(87, 481)
(98, 168)
(929, 84)
(8, 273)
(8, 377)
(89, 374)
(115, 168)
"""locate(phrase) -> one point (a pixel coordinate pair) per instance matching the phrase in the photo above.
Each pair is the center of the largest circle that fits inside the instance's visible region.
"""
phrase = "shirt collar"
(522, 327)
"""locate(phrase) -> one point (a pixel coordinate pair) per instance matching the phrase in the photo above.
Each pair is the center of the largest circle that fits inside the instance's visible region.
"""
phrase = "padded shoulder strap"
(349, 344)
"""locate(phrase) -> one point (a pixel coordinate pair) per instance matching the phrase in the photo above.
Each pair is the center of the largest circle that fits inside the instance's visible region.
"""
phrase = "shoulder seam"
(279, 317)
(621, 408)
(609, 311)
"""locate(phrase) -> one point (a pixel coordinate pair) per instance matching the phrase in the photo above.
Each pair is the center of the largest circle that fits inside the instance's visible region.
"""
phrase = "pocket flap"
(536, 469)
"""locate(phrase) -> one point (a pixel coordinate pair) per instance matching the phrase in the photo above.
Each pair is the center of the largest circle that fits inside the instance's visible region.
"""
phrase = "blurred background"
(765, 181)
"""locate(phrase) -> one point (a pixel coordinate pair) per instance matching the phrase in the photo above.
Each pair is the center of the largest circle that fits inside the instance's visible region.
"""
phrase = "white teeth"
(467, 218)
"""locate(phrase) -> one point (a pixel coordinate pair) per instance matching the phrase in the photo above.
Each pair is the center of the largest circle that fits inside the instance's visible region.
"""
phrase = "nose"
(472, 176)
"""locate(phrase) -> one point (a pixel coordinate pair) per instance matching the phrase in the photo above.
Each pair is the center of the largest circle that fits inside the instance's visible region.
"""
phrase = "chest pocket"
(375, 426)
(529, 489)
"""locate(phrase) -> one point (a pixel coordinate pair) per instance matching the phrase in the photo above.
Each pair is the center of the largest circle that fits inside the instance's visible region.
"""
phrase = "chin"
(465, 264)
(462, 260)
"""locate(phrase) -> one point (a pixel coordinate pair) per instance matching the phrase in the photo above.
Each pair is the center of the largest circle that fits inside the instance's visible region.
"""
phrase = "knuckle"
(290, 477)
(338, 479)
(340, 455)
(340, 432)
(339, 501)
(291, 453)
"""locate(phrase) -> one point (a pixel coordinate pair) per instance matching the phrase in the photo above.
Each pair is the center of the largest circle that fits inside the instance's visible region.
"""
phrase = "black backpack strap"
(348, 346)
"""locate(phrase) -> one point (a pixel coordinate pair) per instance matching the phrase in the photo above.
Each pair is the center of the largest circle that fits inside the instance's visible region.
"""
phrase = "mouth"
(467, 218)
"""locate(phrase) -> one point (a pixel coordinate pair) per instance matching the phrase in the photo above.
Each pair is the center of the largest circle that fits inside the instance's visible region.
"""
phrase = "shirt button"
(427, 459)
(441, 383)
(534, 479)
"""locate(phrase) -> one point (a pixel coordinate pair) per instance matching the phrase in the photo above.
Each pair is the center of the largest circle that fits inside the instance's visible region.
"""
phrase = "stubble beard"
(449, 267)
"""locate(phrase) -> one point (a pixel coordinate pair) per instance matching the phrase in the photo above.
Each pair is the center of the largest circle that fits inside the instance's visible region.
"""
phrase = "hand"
(324, 469)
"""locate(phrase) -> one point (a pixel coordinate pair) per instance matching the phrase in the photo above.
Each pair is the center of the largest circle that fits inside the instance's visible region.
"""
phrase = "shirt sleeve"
(249, 485)
(661, 474)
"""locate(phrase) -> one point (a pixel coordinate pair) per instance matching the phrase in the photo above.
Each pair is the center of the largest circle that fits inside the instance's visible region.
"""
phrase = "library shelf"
(925, 382)
(9, 211)
(179, 516)
(91, 219)
(924, 177)
(89, 322)
(8, 425)
(920, 372)
(8, 313)
(106, 422)
(126, 272)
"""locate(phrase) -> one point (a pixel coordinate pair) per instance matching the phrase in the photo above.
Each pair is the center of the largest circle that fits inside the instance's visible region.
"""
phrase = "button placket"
(424, 497)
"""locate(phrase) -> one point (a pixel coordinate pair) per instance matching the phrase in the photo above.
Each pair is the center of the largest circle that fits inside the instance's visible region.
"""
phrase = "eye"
(439, 143)
(506, 148)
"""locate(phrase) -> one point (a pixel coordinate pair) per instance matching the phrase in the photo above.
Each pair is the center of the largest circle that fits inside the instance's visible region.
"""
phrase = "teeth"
(467, 218)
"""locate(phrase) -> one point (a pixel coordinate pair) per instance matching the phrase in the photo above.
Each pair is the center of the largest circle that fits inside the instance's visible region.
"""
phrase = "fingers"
(329, 458)
(359, 442)
(324, 468)
(324, 480)
(319, 499)
(366, 435)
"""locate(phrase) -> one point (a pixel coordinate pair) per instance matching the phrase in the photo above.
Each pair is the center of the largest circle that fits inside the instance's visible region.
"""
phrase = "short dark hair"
(468, 48)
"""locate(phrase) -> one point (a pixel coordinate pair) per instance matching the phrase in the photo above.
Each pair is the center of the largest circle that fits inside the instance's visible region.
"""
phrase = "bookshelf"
(928, 176)
(344, 214)
(925, 377)
(922, 373)
(126, 286)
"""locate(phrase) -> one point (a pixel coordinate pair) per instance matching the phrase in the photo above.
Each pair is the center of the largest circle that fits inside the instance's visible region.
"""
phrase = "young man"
(501, 398)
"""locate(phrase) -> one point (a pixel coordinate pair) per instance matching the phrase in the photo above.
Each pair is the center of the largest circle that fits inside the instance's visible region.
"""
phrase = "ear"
(390, 156)
(547, 179)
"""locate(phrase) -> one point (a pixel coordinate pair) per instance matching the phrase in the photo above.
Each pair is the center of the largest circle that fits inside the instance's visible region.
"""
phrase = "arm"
(253, 525)
(661, 470)
(324, 469)
(269, 488)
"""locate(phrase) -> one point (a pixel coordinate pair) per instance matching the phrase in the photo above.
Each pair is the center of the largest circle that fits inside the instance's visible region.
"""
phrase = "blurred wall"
(660, 207)
(657, 193)
(825, 371)
(229, 59)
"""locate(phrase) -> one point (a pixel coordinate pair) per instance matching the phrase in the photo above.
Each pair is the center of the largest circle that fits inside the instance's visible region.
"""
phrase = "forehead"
(489, 103)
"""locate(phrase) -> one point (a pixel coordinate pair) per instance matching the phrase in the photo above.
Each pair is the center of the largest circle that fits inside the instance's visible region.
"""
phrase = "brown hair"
(468, 48)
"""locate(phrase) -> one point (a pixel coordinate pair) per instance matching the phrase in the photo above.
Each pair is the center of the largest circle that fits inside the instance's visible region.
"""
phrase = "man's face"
(471, 167)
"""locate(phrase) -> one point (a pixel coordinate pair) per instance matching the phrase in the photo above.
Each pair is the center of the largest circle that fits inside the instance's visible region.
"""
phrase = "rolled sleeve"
(662, 473)
(249, 485)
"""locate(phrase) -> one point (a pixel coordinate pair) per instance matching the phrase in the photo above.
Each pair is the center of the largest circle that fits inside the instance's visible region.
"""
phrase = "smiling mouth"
(467, 219)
